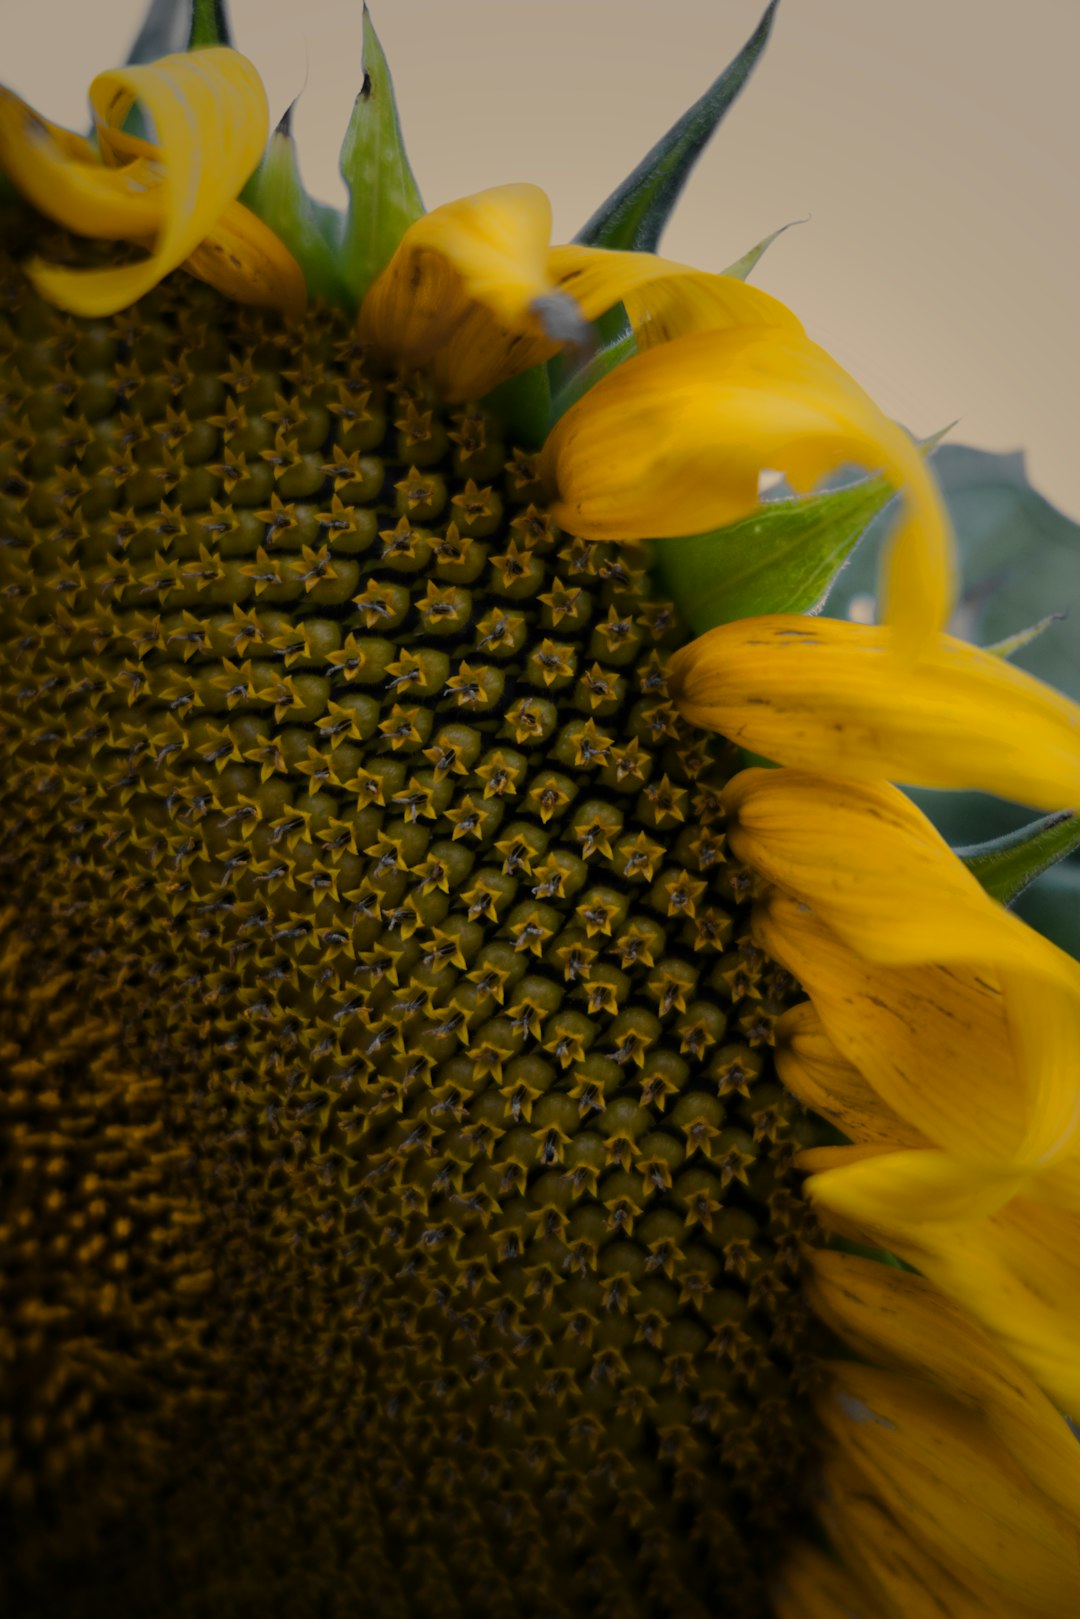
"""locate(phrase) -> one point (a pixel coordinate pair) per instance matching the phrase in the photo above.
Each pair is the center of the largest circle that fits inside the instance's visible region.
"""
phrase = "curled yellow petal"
(63, 177)
(824, 695)
(479, 263)
(210, 118)
(663, 300)
(673, 442)
(900, 1320)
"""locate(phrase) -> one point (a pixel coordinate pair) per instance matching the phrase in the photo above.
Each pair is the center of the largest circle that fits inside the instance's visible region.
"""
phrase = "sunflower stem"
(209, 24)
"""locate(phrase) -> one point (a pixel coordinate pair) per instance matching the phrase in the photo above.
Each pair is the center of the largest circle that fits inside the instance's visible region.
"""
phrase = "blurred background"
(934, 145)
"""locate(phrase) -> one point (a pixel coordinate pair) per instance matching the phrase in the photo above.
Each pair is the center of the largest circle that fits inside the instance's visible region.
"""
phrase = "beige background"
(935, 144)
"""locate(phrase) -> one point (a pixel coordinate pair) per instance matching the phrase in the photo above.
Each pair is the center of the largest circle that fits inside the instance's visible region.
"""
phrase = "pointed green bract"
(635, 214)
(783, 559)
(1007, 865)
(164, 30)
(383, 196)
(1016, 643)
(310, 230)
(569, 384)
(209, 24)
(743, 266)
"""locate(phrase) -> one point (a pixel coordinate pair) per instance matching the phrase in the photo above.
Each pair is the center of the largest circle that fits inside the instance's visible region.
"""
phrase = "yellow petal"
(63, 177)
(481, 260)
(1018, 1273)
(899, 1190)
(813, 1070)
(245, 260)
(980, 1061)
(209, 113)
(672, 443)
(873, 868)
(812, 1586)
(824, 695)
(950, 1482)
(663, 300)
(909, 1581)
(900, 1320)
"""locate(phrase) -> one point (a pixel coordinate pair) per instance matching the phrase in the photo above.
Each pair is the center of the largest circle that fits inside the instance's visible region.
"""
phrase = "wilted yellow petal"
(824, 695)
(813, 1586)
(210, 118)
(672, 443)
(245, 260)
(949, 1481)
(663, 300)
(897, 1319)
(481, 260)
(815, 1071)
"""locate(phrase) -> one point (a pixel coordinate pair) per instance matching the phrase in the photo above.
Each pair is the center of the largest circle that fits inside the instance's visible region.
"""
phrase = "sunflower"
(472, 1147)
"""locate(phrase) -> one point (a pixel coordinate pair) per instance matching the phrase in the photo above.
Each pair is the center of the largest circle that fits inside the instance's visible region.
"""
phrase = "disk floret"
(443, 1194)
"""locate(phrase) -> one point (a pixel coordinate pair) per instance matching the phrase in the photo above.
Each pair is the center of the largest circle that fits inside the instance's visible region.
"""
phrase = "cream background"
(935, 143)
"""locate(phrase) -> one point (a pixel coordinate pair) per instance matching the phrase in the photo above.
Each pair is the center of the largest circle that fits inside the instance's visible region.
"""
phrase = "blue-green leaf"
(383, 196)
(310, 230)
(1005, 866)
(782, 559)
(209, 24)
(635, 214)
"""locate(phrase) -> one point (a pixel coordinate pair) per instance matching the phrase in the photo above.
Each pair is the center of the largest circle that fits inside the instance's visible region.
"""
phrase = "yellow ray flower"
(674, 441)
(406, 1207)
(824, 695)
(176, 196)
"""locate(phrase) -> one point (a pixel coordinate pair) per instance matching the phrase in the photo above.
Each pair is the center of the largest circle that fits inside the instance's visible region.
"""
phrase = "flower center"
(400, 1171)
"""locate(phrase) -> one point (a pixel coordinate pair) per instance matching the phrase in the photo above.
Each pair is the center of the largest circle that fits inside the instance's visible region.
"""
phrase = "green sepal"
(163, 31)
(781, 559)
(383, 196)
(571, 374)
(1007, 865)
(523, 405)
(310, 230)
(1012, 644)
(635, 214)
(209, 24)
(743, 266)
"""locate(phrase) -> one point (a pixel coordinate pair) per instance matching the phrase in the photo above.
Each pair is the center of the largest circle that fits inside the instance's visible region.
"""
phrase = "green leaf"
(635, 214)
(1005, 866)
(209, 24)
(1016, 643)
(782, 559)
(383, 196)
(310, 230)
(742, 267)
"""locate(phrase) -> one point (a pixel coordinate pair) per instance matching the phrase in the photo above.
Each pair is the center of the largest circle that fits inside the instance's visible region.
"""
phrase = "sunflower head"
(417, 1024)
